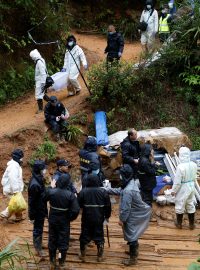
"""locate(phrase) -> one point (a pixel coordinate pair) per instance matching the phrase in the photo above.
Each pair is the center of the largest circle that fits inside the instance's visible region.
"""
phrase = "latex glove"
(119, 54)
(64, 117)
(31, 221)
(63, 70)
(85, 67)
(53, 183)
(58, 118)
(136, 160)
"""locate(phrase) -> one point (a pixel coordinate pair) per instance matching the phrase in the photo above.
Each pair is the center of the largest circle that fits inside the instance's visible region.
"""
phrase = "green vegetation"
(14, 257)
(47, 151)
(73, 134)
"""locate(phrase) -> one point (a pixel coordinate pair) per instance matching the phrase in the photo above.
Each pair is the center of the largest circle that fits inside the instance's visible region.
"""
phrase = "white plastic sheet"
(60, 81)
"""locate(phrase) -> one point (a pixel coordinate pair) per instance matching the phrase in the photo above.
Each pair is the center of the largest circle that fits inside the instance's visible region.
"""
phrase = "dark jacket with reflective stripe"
(95, 203)
(63, 203)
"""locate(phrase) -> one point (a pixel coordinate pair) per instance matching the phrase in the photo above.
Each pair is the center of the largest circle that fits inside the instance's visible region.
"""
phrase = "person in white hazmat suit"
(134, 214)
(149, 16)
(74, 56)
(184, 188)
(12, 181)
(40, 77)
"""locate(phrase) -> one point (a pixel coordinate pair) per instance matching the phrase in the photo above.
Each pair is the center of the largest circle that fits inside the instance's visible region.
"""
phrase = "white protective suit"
(184, 183)
(71, 68)
(148, 36)
(12, 180)
(40, 73)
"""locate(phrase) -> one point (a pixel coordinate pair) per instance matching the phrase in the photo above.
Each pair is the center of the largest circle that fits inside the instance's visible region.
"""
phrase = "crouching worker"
(134, 214)
(56, 116)
(12, 181)
(37, 205)
(96, 206)
(184, 188)
(64, 208)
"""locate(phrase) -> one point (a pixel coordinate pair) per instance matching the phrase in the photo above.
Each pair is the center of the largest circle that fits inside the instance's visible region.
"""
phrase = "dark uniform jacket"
(36, 203)
(70, 187)
(51, 112)
(146, 170)
(63, 203)
(115, 44)
(95, 203)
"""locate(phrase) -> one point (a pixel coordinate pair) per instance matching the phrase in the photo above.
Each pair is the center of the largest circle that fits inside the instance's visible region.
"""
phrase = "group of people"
(65, 201)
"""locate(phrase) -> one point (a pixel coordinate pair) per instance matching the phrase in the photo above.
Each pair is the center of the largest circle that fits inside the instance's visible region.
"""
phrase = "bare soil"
(161, 247)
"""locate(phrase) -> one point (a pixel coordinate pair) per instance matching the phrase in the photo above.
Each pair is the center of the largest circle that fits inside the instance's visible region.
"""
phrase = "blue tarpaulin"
(160, 184)
(101, 128)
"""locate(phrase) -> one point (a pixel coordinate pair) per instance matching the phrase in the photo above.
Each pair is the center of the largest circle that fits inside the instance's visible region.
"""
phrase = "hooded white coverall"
(12, 182)
(40, 73)
(71, 68)
(148, 36)
(184, 183)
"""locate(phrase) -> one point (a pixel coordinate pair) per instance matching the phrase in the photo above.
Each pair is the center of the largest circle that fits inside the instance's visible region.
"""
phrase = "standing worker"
(12, 180)
(74, 56)
(90, 161)
(96, 206)
(184, 188)
(40, 78)
(115, 44)
(131, 150)
(148, 26)
(64, 208)
(164, 21)
(134, 214)
(37, 205)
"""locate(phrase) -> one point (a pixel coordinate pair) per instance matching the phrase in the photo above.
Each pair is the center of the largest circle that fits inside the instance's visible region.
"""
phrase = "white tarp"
(60, 81)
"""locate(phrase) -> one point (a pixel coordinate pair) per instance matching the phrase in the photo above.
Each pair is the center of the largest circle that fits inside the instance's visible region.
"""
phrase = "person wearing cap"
(64, 208)
(63, 167)
(131, 150)
(56, 115)
(134, 214)
(37, 207)
(12, 181)
(184, 188)
(74, 56)
(150, 17)
(40, 77)
(90, 161)
(96, 206)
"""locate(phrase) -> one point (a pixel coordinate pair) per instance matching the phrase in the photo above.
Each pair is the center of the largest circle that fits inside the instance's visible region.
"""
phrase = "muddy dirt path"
(21, 114)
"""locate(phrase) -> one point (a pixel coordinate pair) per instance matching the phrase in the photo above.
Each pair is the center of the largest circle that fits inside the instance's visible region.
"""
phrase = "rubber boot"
(40, 106)
(62, 258)
(37, 242)
(52, 259)
(100, 249)
(82, 252)
(133, 251)
(191, 221)
(178, 221)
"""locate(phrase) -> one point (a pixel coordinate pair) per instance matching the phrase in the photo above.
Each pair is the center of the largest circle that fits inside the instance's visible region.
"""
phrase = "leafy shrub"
(73, 134)
(46, 150)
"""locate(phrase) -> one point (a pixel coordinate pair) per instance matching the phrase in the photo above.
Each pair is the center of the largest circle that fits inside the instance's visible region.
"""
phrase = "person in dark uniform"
(63, 167)
(96, 206)
(56, 115)
(115, 44)
(37, 210)
(90, 161)
(131, 150)
(147, 173)
(64, 208)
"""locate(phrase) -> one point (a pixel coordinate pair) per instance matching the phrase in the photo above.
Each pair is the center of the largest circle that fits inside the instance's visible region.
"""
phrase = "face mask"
(164, 11)
(148, 7)
(110, 33)
(71, 43)
(44, 172)
(95, 171)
